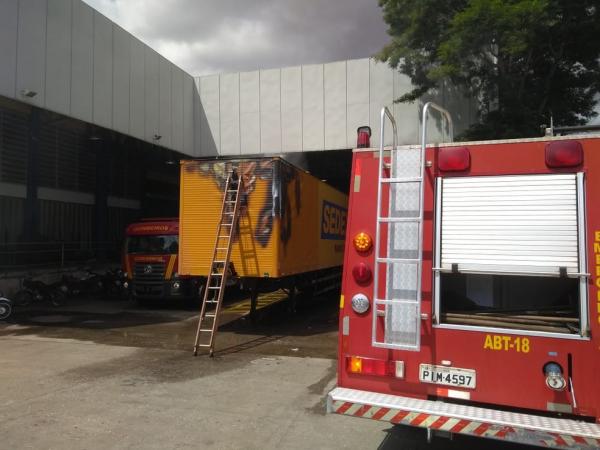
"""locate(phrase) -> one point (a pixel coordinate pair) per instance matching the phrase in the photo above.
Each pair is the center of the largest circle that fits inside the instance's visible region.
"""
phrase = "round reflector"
(361, 273)
(363, 242)
(360, 303)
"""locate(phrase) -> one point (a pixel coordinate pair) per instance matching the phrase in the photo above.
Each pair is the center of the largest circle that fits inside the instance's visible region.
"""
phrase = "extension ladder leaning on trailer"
(208, 321)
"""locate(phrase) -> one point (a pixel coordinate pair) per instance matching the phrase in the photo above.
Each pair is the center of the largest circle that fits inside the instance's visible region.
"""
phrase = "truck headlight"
(554, 376)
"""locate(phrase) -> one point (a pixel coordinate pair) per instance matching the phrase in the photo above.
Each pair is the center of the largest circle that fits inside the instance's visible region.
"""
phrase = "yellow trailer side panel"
(290, 221)
(254, 251)
(316, 218)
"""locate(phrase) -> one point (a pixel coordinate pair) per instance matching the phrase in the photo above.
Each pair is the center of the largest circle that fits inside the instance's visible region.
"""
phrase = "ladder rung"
(212, 301)
(222, 248)
(228, 213)
(216, 274)
(205, 329)
(232, 190)
(230, 201)
(203, 345)
(399, 219)
(401, 180)
(212, 316)
(214, 287)
(218, 261)
(399, 260)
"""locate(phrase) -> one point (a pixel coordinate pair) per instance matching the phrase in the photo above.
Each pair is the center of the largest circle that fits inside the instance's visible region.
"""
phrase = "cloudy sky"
(210, 36)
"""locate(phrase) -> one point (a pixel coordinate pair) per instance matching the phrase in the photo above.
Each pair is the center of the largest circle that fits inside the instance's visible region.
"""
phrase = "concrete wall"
(310, 108)
(82, 65)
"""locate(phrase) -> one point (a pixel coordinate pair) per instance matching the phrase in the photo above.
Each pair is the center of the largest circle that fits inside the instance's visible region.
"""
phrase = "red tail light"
(362, 273)
(368, 366)
(454, 159)
(364, 137)
(564, 154)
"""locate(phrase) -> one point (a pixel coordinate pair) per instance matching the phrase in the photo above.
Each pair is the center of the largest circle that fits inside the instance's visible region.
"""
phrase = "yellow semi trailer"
(291, 224)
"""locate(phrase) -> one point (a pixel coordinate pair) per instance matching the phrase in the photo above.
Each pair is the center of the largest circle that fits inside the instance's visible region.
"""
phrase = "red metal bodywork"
(150, 227)
(507, 378)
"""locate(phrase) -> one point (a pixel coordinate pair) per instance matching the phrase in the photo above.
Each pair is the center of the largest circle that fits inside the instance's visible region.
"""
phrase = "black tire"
(23, 298)
(58, 298)
(5, 309)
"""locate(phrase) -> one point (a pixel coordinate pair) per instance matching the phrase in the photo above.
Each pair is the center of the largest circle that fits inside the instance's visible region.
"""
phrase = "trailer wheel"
(5, 309)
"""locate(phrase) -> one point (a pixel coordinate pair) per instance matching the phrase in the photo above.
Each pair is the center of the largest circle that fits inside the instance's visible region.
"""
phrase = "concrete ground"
(100, 375)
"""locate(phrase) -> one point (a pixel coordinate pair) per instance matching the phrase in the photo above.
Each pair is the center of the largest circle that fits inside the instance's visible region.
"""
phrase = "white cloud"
(232, 35)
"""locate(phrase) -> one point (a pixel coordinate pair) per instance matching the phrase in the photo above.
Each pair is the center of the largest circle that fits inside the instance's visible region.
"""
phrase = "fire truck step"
(401, 180)
(400, 219)
(510, 425)
(398, 260)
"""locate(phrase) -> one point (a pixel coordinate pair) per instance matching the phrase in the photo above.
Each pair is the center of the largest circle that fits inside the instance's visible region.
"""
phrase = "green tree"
(522, 60)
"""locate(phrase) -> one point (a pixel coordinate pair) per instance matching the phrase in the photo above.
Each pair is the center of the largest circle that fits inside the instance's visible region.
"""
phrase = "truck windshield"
(156, 245)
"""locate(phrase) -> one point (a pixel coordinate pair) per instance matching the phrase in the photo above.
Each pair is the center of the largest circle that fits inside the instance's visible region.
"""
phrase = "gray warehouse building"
(93, 122)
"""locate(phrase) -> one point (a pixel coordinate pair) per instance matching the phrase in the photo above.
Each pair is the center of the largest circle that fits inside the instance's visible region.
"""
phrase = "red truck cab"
(150, 258)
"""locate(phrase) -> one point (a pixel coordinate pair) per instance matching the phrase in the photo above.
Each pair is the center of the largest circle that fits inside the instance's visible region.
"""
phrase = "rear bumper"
(187, 288)
(462, 419)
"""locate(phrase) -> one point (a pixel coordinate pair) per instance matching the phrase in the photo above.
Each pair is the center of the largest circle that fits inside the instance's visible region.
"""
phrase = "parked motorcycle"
(5, 307)
(88, 283)
(38, 291)
(115, 286)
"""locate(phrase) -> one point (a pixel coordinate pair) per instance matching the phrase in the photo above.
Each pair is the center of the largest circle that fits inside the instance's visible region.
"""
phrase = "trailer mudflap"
(463, 419)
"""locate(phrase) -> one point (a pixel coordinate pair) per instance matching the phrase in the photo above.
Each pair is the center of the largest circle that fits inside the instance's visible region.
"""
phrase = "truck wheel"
(5, 309)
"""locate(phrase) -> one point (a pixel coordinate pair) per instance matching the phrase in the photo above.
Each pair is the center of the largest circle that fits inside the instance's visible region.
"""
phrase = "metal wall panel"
(151, 93)
(313, 129)
(121, 79)
(189, 91)
(381, 88)
(177, 108)
(250, 112)
(165, 109)
(136, 90)
(210, 128)
(199, 118)
(9, 11)
(358, 97)
(229, 106)
(291, 109)
(335, 105)
(405, 113)
(31, 51)
(58, 61)
(82, 61)
(103, 70)
(270, 111)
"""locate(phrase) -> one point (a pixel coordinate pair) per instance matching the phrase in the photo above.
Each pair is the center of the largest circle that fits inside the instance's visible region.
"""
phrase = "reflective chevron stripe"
(462, 426)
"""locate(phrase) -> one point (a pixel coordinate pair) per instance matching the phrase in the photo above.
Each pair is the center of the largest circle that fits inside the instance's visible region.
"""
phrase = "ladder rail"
(222, 278)
(385, 112)
(208, 279)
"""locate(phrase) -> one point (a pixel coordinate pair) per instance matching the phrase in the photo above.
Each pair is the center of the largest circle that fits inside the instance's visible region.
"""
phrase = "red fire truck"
(150, 261)
(471, 289)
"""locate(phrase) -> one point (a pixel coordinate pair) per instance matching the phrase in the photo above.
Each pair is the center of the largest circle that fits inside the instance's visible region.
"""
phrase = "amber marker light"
(354, 364)
(363, 242)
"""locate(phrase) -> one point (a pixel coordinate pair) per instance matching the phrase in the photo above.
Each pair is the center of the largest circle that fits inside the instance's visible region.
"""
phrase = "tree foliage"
(522, 60)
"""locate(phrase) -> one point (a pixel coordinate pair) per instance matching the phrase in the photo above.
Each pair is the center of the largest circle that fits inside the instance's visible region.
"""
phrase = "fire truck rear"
(471, 289)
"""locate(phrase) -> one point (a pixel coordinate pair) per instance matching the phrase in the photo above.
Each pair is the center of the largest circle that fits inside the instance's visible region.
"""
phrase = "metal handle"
(503, 272)
(386, 112)
(444, 113)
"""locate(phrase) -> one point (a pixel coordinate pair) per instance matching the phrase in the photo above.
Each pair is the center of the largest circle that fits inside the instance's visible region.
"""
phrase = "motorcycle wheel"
(23, 298)
(5, 309)
(57, 298)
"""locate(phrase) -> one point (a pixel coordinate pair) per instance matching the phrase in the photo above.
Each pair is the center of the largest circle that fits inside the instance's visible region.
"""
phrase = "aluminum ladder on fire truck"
(401, 225)
(208, 321)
